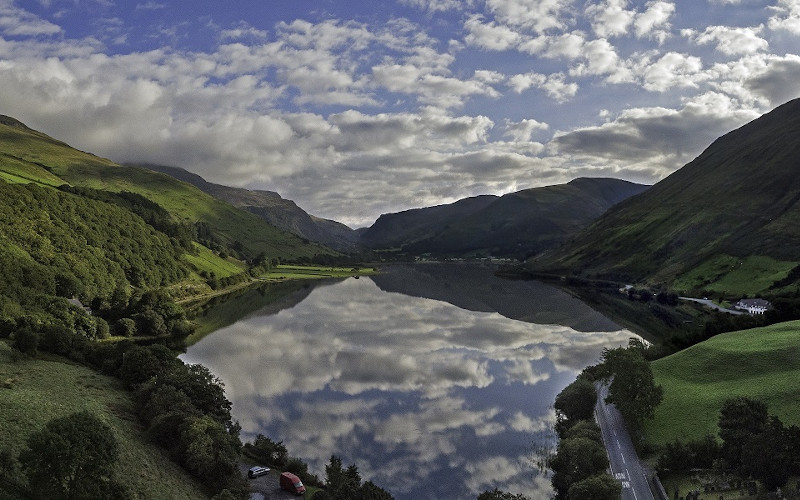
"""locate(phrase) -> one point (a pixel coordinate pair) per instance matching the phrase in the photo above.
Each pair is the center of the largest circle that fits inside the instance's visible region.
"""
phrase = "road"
(712, 305)
(625, 464)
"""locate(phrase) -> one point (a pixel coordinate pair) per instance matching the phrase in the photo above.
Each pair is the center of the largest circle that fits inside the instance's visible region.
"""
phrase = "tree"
(204, 389)
(149, 322)
(125, 327)
(598, 487)
(342, 484)
(208, 451)
(268, 451)
(575, 460)
(633, 390)
(585, 428)
(768, 457)
(739, 419)
(500, 495)
(72, 457)
(575, 402)
(138, 365)
(26, 341)
(371, 491)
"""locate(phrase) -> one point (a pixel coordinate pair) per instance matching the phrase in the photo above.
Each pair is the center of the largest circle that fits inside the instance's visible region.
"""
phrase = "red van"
(292, 483)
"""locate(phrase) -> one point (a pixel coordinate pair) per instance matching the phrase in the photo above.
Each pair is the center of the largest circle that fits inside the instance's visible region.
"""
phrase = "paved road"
(625, 464)
(712, 305)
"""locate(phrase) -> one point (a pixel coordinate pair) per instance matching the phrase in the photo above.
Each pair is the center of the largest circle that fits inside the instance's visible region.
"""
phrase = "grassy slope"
(19, 171)
(740, 197)
(730, 275)
(762, 363)
(26, 153)
(208, 261)
(42, 389)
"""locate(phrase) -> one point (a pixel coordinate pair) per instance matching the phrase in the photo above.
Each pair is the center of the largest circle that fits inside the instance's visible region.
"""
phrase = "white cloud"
(555, 85)
(600, 58)
(431, 83)
(654, 22)
(371, 105)
(243, 30)
(539, 16)
(151, 5)
(777, 79)
(490, 36)
(18, 22)
(730, 41)
(656, 139)
(610, 18)
(523, 130)
(672, 70)
(568, 45)
(786, 17)
(438, 5)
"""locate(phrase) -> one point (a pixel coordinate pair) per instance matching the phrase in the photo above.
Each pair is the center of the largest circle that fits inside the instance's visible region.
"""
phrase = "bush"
(26, 341)
(576, 402)
(72, 457)
(268, 451)
(125, 327)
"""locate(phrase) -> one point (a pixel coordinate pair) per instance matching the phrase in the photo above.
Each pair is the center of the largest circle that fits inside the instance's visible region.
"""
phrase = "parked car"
(292, 483)
(257, 471)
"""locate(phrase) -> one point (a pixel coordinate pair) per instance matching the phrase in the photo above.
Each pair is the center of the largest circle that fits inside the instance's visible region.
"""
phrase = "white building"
(753, 306)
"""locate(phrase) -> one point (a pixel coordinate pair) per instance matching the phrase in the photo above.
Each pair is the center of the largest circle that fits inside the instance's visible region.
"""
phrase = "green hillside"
(273, 208)
(762, 363)
(28, 155)
(33, 391)
(740, 198)
(55, 243)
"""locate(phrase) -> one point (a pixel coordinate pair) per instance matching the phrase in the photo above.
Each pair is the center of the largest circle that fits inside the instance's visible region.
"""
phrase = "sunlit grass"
(735, 276)
(316, 272)
(762, 363)
(208, 261)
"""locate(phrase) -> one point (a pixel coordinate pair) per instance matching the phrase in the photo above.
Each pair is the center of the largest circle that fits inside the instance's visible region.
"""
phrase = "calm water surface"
(436, 381)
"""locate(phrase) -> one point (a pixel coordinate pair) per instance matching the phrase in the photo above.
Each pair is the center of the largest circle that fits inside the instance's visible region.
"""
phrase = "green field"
(20, 172)
(34, 391)
(762, 363)
(316, 272)
(735, 276)
(206, 260)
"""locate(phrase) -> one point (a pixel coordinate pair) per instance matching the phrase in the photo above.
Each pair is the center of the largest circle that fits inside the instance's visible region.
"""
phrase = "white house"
(753, 306)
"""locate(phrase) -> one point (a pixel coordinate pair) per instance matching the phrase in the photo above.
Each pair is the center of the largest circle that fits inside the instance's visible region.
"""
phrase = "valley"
(295, 314)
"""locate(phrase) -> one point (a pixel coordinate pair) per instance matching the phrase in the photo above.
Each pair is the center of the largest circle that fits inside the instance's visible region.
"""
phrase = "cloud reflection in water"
(429, 400)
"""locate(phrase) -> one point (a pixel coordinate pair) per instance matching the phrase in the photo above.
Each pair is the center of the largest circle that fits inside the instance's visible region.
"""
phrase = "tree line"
(752, 444)
(580, 462)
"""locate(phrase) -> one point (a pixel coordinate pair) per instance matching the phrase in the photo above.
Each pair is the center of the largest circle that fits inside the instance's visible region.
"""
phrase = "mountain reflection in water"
(429, 399)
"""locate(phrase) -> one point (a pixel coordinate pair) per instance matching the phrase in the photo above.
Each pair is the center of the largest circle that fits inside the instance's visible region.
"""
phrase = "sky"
(357, 108)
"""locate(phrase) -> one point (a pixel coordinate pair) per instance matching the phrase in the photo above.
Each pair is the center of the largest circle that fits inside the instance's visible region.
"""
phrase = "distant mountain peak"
(515, 225)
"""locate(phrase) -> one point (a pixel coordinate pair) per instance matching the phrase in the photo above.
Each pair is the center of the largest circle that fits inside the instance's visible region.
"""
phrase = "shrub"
(26, 341)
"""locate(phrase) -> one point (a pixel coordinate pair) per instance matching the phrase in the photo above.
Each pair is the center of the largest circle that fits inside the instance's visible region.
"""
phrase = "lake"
(436, 380)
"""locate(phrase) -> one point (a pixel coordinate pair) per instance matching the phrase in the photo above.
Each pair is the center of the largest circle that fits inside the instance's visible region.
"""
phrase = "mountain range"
(514, 225)
(731, 215)
(726, 221)
(270, 206)
(251, 222)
